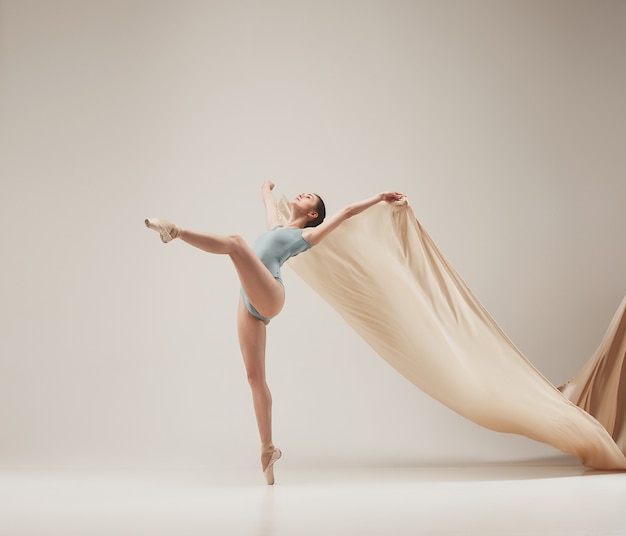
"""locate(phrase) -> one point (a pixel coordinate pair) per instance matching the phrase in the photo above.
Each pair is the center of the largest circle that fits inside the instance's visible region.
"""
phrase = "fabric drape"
(386, 277)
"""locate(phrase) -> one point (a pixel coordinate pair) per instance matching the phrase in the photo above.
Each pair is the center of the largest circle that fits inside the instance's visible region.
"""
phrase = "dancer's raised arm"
(314, 235)
(271, 208)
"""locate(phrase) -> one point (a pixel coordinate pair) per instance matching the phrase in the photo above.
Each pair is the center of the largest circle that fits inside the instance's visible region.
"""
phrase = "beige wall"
(504, 123)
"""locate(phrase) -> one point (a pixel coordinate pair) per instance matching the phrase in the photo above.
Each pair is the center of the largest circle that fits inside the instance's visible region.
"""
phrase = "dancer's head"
(313, 206)
(320, 210)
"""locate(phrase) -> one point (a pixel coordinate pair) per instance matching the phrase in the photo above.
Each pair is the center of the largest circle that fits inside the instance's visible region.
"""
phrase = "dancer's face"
(306, 203)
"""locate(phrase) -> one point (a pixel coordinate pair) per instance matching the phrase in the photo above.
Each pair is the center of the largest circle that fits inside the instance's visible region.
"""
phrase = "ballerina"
(262, 291)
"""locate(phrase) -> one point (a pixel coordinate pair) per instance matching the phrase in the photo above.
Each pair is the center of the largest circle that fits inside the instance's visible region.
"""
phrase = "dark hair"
(320, 208)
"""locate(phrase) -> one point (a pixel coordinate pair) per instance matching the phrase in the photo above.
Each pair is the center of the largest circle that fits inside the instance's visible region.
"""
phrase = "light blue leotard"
(274, 247)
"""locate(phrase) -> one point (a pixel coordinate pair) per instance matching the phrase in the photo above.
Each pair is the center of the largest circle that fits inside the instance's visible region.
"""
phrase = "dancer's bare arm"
(271, 208)
(314, 235)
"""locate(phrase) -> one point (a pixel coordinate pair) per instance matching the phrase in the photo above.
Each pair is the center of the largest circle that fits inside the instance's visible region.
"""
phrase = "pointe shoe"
(166, 229)
(268, 472)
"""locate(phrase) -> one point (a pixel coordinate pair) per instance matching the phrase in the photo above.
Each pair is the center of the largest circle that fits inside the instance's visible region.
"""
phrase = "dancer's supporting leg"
(252, 337)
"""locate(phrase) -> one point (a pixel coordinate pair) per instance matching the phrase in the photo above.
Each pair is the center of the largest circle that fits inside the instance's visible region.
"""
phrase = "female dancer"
(262, 290)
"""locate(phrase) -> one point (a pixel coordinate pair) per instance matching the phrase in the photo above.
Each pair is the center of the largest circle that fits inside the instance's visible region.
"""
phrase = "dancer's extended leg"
(252, 337)
(264, 292)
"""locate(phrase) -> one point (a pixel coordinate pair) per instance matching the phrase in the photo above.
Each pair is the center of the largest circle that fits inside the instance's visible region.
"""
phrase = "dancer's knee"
(237, 243)
(256, 379)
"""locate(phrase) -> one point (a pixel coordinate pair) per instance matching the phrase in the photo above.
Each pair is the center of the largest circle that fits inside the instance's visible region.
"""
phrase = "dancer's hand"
(271, 207)
(391, 197)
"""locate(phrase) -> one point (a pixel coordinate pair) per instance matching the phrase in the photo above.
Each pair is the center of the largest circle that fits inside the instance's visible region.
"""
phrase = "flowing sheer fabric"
(385, 276)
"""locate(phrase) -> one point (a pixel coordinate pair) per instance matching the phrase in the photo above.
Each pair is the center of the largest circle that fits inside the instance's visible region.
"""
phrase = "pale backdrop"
(503, 122)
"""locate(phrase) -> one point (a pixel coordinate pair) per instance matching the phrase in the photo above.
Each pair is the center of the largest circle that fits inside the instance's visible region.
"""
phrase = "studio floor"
(392, 501)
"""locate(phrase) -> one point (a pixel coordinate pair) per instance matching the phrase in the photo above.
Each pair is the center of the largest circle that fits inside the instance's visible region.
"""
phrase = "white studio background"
(504, 123)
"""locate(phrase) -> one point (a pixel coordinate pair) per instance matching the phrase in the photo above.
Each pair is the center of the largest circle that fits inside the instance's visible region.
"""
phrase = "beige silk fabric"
(385, 276)
(600, 386)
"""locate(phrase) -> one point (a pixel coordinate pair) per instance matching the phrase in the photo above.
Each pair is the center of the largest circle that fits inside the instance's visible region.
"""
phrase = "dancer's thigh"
(264, 292)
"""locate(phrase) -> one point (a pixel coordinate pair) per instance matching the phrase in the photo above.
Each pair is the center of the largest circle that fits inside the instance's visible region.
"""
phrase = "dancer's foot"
(166, 229)
(268, 459)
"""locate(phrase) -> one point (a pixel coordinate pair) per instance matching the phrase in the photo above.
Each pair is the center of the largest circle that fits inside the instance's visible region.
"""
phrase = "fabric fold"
(385, 276)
